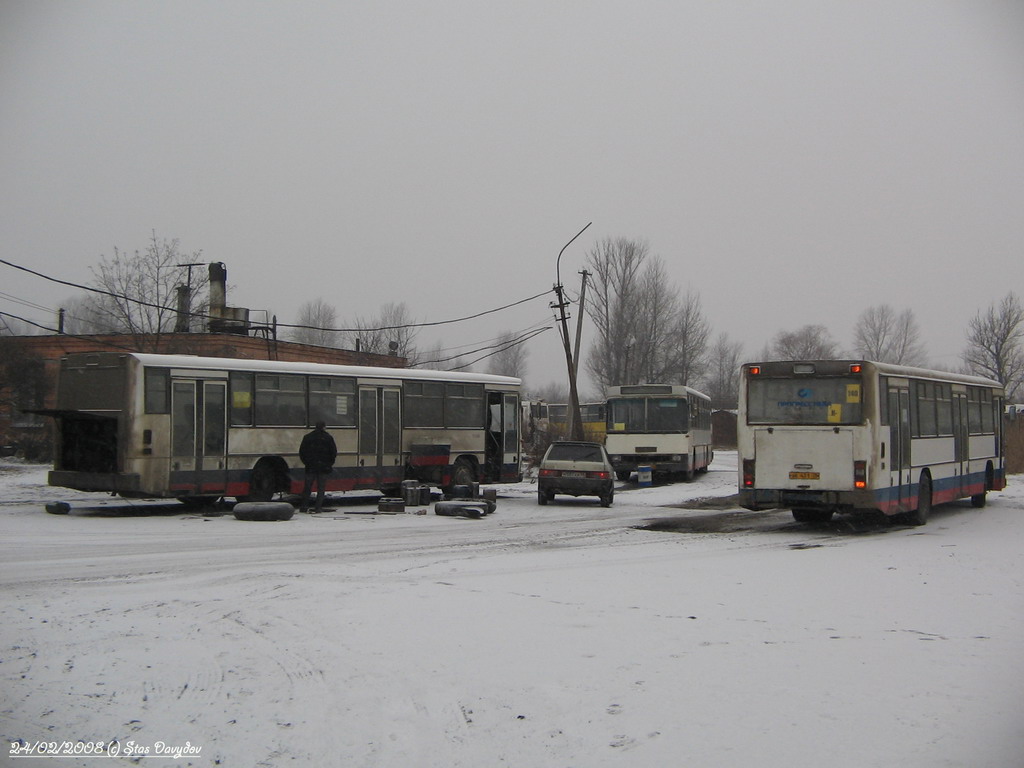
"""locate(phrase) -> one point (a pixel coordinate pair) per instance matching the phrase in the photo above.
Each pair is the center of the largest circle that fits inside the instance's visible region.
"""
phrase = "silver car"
(576, 469)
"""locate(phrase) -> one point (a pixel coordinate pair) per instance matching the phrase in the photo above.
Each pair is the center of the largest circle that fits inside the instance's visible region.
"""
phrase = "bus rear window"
(804, 400)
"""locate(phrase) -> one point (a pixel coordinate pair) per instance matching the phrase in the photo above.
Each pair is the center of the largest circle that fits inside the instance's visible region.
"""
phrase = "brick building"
(29, 366)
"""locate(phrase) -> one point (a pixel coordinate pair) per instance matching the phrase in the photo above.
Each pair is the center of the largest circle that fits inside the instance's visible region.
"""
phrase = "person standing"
(317, 453)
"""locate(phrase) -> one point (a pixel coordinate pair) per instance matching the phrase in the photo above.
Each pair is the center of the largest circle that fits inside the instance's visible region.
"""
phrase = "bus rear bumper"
(122, 483)
(780, 498)
(658, 464)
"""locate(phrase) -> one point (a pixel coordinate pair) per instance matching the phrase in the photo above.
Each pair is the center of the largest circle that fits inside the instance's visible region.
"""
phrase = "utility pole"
(576, 416)
(574, 398)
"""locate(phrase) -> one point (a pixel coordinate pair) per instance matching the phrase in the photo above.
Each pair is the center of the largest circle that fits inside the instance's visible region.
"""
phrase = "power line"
(499, 347)
(280, 325)
(502, 349)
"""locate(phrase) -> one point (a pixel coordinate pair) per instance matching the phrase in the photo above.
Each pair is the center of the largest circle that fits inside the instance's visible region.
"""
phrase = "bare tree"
(509, 359)
(722, 380)
(82, 316)
(140, 290)
(995, 344)
(690, 341)
(391, 332)
(883, 335)
(644, 329)
(809, 342)
(318, 319)
(616, 268)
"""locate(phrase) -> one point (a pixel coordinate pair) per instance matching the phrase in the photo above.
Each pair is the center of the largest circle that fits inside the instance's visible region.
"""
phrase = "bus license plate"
(804, 475)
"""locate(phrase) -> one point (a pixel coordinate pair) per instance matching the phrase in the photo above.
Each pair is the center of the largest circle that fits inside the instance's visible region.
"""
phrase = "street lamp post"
(575, 417)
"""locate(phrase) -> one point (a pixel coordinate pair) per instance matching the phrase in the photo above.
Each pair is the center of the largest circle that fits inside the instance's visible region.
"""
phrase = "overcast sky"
(794, 161)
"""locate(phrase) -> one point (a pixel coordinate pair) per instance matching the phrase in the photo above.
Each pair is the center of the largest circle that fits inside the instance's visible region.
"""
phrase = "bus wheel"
(462, 474)
(263, 483)
(622, 475)
(924, 502)
(811, 515)
(979, 499)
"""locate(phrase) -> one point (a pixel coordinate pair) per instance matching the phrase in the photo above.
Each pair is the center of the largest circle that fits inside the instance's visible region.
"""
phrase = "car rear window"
(572, 452)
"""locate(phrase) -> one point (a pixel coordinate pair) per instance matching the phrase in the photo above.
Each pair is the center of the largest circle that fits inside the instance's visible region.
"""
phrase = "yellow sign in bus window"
(853, 393)
(835, 413)
(241, 399)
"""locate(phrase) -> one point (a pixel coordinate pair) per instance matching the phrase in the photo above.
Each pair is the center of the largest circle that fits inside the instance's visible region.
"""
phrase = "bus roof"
(197, 362)
(889, 369)
(641, 390)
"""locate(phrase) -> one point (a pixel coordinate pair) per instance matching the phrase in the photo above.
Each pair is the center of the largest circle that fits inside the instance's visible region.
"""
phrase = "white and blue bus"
(177, 426)
(826, 436)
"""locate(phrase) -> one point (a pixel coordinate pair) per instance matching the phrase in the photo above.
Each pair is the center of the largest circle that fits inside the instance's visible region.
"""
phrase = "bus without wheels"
(199, 428)
(666, 427)
(826, 436)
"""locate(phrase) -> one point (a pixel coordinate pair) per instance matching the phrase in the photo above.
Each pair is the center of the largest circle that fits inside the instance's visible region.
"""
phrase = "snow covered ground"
(566, 635)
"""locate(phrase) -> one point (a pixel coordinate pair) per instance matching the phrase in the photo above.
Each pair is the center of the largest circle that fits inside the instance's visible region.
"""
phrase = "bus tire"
(264, 511)
(924, 501)
(263, 482)
(979, 499)
(622, 475)
(462, 474)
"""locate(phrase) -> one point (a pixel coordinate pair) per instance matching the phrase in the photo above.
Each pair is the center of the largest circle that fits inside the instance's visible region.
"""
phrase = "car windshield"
(575, 452)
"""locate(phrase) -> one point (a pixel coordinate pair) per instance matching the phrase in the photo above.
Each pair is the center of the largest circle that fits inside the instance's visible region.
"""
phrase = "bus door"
(961, 438)
(380, 433)
(198, 437)
(899, 445)
(502, 449)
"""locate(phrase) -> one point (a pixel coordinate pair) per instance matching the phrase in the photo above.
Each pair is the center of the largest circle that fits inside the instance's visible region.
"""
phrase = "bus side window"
(158, 390)
(241, 399)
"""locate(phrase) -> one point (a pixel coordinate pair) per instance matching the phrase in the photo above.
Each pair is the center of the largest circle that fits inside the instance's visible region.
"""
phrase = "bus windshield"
(804, 400)
(655, 414)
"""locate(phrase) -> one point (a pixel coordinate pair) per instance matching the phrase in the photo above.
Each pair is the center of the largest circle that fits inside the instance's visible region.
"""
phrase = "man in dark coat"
(317, 453)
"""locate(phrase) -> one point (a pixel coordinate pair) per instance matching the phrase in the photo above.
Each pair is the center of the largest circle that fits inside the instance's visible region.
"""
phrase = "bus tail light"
(755, 370)
(748, 473)
(860, 474)
(856, 368)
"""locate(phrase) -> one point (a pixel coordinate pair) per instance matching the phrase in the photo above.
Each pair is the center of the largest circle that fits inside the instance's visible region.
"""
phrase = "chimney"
(181, 323)
(218, 286)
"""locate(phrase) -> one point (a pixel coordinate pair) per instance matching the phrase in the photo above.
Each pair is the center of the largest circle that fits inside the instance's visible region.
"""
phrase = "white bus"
(666, 427)
(176, 426)
(826, 436)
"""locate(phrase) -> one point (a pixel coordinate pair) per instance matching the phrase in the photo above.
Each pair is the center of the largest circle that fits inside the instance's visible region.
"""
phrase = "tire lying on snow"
(473, 509)
(264, 510)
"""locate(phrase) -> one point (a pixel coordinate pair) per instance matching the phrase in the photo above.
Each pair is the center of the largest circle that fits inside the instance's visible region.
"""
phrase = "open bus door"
(198, 437)
(502, 439)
